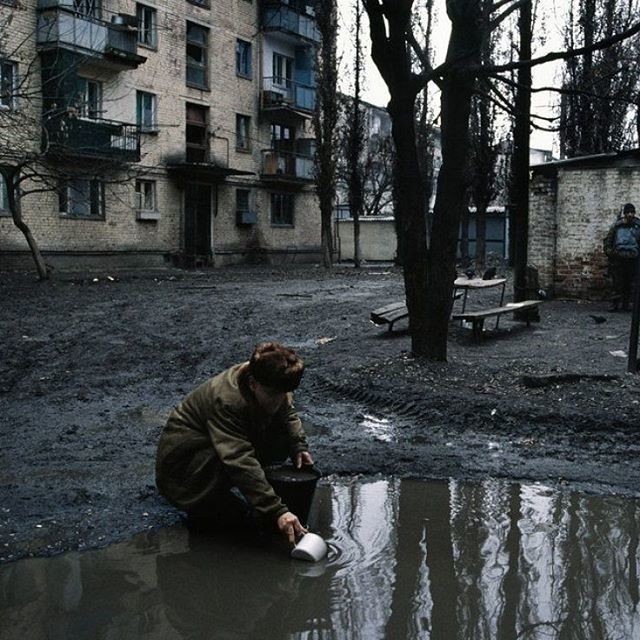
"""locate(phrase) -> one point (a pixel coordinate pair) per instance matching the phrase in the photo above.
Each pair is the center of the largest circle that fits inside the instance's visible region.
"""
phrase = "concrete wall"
(377, 238)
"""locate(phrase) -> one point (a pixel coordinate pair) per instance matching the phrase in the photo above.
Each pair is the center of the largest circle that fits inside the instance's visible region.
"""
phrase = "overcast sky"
(375, 90)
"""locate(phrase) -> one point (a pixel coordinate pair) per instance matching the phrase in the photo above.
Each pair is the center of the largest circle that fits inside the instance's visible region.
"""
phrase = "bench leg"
(478, 326)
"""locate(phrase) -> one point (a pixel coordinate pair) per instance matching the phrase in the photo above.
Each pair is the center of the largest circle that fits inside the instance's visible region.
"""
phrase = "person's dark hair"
(628, 208)
(276, 366)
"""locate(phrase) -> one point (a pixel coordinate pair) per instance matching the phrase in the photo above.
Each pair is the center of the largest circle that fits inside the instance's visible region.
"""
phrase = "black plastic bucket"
(295, 486)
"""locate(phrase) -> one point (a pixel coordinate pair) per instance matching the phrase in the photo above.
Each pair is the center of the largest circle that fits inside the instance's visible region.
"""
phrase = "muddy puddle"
(407, 560)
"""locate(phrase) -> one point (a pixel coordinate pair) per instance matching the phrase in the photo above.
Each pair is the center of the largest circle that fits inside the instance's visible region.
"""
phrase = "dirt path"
(91, 366)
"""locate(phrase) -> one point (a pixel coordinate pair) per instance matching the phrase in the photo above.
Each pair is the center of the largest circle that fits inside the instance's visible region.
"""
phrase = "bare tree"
(355, 137)
(483, 148)
(600, 87)
(429, 273)
(325, 120)
(40, 123)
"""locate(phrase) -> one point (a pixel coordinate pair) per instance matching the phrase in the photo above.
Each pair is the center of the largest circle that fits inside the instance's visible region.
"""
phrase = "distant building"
(205, 107)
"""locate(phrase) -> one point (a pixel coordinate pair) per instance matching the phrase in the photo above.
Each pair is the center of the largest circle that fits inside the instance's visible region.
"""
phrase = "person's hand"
(303, 458)
(289, 525)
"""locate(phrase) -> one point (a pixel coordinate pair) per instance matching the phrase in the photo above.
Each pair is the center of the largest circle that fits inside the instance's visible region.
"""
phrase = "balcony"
(286, 167)
(96, 139)
(293, 25)
(281, 97)
(112, 45)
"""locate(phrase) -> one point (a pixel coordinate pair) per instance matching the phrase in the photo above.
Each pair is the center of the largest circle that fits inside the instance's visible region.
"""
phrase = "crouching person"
(216, 443)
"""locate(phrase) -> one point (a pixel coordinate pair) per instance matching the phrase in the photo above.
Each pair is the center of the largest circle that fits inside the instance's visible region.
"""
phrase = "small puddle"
(408, 560)
(379, 428)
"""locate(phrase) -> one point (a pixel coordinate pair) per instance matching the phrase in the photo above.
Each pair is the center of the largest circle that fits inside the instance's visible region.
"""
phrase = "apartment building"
(173, 129)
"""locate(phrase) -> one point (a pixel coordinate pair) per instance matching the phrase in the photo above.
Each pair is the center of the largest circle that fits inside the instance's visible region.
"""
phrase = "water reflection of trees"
(486, 560)
(436, 561)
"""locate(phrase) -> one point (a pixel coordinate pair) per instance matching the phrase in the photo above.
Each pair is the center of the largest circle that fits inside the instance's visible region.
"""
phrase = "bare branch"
(506, 13)
(561, 55)
(570, 92)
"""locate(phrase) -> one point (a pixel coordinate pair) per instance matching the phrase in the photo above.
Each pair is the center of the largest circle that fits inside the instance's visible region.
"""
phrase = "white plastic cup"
(311, 547)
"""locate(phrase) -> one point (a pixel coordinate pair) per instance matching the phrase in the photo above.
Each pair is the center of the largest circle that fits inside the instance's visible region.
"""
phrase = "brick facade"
(572, 205)
(121, 230)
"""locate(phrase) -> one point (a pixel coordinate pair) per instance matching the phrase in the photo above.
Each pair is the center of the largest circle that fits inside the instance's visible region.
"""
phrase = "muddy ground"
(91, 365)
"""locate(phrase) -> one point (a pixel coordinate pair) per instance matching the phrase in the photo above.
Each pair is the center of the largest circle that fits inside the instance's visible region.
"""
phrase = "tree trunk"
(12, 182)
(325, 121)
(410, 217)
(481, 237)
(520, 180)
(450, 194)
(464, 235)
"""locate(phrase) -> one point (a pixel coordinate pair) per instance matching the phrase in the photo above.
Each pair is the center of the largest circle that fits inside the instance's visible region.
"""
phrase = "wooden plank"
(477, 283)
(390, 316)
(390, 307)
(496, 311)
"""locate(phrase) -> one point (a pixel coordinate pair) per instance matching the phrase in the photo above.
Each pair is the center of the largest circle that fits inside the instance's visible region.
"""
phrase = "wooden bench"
(477, 318)
(395, 311)
(390, 314)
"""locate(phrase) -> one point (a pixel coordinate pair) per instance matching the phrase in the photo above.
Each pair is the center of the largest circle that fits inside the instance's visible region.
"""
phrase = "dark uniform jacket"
(623, 239)
(218, 434)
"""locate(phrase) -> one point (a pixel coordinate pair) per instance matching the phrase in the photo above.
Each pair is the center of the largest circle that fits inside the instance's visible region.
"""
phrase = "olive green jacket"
(218, 430)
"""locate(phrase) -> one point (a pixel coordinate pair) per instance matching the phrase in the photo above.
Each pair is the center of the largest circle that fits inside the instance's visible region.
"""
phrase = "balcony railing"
(285, 165)
(93, 138)
(278, 92)
(114, 42)
(277, 16)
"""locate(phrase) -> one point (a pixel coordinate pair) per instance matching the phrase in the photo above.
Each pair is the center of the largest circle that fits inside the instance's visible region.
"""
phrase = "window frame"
(279, 63)
(244, 59)
(244, 192)
(145, 13)
(95, 194)
(194, 125)
(151, 127)
(243, 136)
(5, 211)
(192, 63)
(143, 212)
(11, 101)
(85, 108)
(286, 219)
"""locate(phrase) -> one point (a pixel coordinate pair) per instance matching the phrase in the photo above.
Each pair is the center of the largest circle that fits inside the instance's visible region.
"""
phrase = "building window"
(242, 201)
(243, 123)
(147, 26)
(282, 137)
(282, 209)
(200, 3)
(146, 111)
(145, 203)
(197, 133)
(197, 41)
(4, 197)
(87, 8)
(90, 99)
(243, 58)
(81, 198)
(282, 70)
(8, 84)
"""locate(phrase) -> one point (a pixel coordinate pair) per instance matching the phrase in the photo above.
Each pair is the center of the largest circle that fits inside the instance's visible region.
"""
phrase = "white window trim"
(146, 214)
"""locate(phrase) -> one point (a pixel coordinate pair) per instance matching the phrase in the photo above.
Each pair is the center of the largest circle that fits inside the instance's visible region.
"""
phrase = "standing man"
(622, 247)
(213, 450)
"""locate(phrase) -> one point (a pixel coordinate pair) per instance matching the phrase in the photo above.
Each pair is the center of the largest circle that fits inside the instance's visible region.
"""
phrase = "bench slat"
(496, 311)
